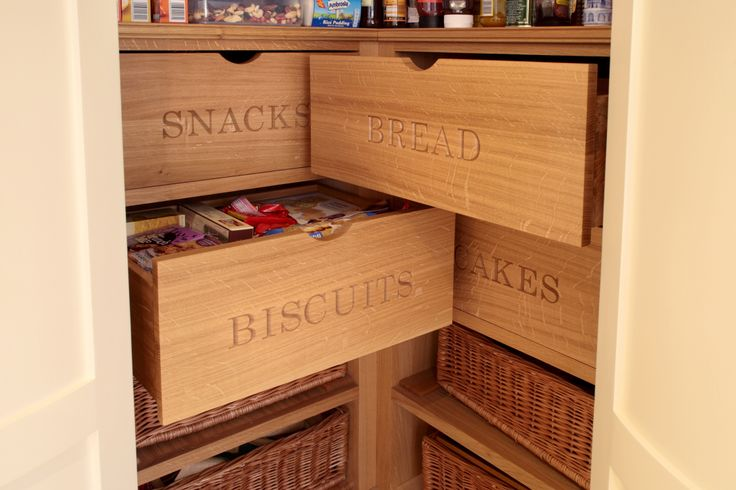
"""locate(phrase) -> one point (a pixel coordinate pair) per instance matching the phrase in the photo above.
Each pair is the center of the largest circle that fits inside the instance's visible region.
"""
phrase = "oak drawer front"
(215, 326)
(196, 116)
(531, 293)
(504, 141)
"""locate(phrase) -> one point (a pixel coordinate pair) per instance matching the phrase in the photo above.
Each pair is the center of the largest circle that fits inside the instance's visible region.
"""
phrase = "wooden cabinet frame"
(391, 394)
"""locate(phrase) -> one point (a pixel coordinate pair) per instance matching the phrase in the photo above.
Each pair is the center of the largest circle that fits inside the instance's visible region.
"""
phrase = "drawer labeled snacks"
(214, 325)
(507, 142)
(190, 117)
(533, 294)
(447, 466)
(540, 409)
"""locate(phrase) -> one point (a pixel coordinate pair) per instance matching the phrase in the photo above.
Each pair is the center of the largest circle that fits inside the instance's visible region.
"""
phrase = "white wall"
(66, 416)
(665, 398)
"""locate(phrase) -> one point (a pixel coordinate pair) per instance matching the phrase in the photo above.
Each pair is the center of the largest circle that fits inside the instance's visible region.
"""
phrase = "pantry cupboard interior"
(391, 389)
(71, 406)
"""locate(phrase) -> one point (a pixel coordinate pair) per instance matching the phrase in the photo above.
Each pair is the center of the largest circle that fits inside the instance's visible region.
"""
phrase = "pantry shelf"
(211, 37)
(542, 41)
(163, 458)
(424, 398)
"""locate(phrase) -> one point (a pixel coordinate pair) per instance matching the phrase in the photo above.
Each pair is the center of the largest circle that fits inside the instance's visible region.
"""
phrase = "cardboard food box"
(169, 11)
(134, 11)
(258, 12)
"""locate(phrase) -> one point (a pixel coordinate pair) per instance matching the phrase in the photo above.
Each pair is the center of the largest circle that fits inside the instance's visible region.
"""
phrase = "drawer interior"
(217, 324)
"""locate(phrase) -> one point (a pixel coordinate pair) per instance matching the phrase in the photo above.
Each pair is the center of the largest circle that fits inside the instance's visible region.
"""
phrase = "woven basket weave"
(543, 412)
(447, 467)
(313, 459)
(149, 431)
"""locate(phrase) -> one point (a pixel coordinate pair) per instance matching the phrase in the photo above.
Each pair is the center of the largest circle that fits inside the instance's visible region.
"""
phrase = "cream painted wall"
(66, 420)
(665, 403)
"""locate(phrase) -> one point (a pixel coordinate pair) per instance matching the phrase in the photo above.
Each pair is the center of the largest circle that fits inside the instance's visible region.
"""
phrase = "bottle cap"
(458, 20)
(430, 21)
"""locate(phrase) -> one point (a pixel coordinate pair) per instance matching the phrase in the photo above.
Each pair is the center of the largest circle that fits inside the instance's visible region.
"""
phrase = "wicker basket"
(446, 466)
(542, 411)
(313, 459)
(149, 431)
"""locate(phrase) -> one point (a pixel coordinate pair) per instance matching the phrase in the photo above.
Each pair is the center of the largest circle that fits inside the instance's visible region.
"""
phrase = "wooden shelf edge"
(424, 398)
(218, 37)
(164, 458)
(172, 192)
(559, 41)
(539, 351)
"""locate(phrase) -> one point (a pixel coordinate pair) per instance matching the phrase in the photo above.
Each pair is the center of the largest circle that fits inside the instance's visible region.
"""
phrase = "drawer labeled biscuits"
(508, 142)
(216, 324)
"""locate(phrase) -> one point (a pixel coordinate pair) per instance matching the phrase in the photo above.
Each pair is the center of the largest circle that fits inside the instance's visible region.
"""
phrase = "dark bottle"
(430, 13)
(412, 13)
(394, 13)
(551, 12)
(371, 13)
(576, 12)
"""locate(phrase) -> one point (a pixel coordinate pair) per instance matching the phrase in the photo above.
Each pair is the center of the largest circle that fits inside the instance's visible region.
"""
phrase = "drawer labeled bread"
(216, 324)
(534, 294)
(196, 116)
(507, 142)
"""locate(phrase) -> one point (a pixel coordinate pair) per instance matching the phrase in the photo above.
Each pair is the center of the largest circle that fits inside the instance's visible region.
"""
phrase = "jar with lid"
(551, 13)
(490, 13)
(458, 13)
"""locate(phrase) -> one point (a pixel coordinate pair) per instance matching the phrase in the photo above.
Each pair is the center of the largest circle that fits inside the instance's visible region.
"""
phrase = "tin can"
(519, 13)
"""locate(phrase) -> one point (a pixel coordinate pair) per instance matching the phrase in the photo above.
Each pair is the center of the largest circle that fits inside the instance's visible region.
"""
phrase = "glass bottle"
(430, 13)
(371, 13)
(576, 12)
(412, 13)
(490, 13)
(394, 13)
(551, 13)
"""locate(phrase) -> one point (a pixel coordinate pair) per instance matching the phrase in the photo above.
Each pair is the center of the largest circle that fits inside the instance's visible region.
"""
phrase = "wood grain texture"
(544, 293)
(400, 433)
(244, 317)
(507, 142)
(163, 458)
(560, 41)
(422, 396)
(364, 419)
(202, 37)
(195, 116)
(171, 192)
(599, 168)
(546, 41)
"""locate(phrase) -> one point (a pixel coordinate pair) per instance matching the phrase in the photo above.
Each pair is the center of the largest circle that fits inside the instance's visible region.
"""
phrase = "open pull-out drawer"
(508, 142)
(219, 324)
(193, 117)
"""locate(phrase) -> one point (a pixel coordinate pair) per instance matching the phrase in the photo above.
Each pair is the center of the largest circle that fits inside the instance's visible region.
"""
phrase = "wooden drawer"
(216, 325)
(534, 294)
(190, 117)
(507, 142)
